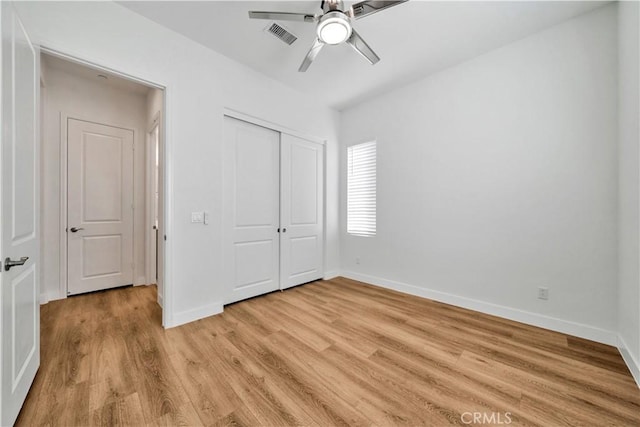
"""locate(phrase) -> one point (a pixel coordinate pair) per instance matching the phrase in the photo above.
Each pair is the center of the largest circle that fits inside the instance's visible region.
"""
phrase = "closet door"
(301, 211)
(252, 194)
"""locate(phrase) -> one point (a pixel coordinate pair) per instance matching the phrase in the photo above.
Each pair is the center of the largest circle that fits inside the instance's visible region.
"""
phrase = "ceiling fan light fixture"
(334, 28)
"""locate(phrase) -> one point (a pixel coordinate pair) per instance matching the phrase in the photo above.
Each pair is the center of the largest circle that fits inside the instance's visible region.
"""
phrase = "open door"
(19, 217)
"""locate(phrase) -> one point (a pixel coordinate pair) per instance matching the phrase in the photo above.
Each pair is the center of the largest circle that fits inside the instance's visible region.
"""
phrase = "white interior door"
(155, 195)
(160, 217)
(19, 218)
(100, 206)
(251, 173)
(301, 214)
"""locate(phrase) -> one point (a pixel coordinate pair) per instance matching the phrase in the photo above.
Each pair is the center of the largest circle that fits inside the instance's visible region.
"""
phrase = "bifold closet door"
(301, 211)
(251, 214)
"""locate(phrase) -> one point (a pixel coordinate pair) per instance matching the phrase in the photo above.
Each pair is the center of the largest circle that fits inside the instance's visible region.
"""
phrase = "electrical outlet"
(357, 260)
(196, 217)
(543, 293)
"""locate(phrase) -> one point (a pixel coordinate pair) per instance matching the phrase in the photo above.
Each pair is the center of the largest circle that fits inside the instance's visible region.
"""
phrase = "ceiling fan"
(334, 26)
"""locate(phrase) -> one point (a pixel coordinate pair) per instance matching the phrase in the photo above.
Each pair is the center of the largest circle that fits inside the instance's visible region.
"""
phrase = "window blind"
(361, 189)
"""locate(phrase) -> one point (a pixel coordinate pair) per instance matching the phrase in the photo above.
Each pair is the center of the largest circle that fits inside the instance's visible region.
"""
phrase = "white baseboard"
(527, 317)
(46, 297)
(160, 299)
(195, 314)
(632, 363)
(332, 274)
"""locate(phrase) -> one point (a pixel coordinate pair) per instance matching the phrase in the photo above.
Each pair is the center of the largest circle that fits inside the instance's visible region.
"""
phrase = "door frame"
(165, 170)
(270, 125)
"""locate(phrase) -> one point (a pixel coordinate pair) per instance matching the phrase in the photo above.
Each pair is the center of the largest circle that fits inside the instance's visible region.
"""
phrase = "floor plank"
(328, 353)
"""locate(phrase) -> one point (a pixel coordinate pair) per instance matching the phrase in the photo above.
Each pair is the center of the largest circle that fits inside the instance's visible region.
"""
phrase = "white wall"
(86, 99)
(629, 208)
(200, 84)
(498, 176)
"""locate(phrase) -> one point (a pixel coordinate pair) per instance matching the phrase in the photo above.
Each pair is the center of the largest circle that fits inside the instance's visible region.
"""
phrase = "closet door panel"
(301, 211)
(251, 212)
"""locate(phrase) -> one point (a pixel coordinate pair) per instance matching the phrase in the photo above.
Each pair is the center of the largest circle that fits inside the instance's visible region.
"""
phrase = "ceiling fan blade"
(283, 16)
(369, 7)
(360, 46)
(311, 55)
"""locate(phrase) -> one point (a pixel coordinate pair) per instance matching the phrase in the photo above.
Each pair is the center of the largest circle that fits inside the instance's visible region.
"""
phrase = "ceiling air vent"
(281, 33)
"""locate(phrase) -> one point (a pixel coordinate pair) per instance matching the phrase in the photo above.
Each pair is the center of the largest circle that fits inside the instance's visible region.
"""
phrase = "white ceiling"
(413, 39)
(108, 79)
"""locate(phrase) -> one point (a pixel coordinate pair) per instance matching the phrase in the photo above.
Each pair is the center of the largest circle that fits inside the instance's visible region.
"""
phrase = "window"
(361, 189)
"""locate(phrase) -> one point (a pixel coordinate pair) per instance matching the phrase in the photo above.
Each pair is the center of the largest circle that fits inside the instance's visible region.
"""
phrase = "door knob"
(75, 230)
(8, 263)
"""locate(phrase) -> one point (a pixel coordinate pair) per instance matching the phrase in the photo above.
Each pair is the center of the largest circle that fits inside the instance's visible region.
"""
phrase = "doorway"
(98, 205)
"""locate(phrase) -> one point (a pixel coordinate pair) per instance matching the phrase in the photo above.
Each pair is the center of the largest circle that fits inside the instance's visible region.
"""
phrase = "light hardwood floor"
(328, 353)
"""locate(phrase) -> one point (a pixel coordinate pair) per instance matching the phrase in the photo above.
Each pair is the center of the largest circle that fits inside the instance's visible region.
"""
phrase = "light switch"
(196, 217)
